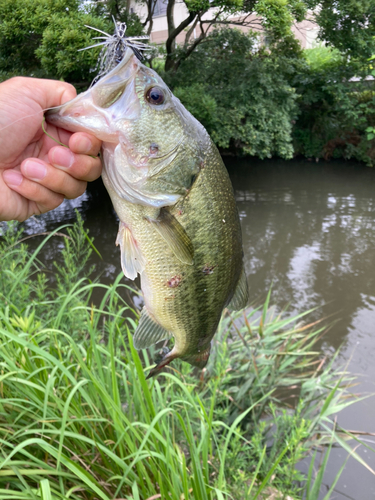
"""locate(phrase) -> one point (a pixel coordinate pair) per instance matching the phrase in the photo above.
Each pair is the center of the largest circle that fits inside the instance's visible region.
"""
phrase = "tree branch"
(190, 31)
(170, 16)
(196, 42)
(178, 30)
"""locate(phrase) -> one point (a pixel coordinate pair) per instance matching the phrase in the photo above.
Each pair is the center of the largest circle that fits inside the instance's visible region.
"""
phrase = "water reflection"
(309, 230)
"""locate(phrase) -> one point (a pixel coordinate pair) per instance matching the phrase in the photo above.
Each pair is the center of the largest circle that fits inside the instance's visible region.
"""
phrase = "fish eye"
(155, 95)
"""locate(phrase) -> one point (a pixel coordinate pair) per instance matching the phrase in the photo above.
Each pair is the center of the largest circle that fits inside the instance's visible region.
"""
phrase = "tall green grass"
(78, 420)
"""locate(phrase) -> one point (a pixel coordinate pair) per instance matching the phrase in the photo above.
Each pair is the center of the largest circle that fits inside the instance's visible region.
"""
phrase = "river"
(309, 231)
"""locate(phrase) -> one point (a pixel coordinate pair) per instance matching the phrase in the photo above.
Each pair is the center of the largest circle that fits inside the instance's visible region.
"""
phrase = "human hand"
(36, 174)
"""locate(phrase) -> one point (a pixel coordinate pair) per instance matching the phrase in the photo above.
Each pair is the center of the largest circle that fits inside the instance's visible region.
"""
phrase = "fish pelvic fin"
(148, 331)
(240, 298)
(132, 261)
(174, 235)
(198, 359)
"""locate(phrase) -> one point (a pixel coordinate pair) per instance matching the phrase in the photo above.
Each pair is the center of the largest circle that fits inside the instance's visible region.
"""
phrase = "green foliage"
(249, 99)
(42, 37)
(347, 25)
(370, 133)
(241, 96)
(322, 57)
(78, 419)
(334, 112)
(277, 18)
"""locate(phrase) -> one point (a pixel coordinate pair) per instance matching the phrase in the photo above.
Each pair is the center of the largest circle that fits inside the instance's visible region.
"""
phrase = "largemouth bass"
(179, 226)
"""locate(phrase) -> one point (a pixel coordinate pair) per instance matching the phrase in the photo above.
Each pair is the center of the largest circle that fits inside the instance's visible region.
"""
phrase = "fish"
(179, 226)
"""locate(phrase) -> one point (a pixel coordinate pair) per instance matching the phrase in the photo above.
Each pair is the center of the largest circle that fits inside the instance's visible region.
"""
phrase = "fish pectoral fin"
(198, 359)
(148, 331)
(132, 261)
(240, 298)
(174, 235)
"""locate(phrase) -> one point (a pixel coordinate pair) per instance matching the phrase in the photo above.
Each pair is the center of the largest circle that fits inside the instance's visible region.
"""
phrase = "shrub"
(239, 94)
(334, 112)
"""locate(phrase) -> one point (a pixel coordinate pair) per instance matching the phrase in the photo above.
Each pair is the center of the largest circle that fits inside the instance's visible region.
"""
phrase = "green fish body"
(179, 226)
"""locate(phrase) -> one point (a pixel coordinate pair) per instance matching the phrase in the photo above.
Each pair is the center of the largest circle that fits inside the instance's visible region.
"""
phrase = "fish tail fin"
(199, 359)
(166, 359)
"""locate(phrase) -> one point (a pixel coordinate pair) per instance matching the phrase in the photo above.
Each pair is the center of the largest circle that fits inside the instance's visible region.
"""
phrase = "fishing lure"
(114, 48)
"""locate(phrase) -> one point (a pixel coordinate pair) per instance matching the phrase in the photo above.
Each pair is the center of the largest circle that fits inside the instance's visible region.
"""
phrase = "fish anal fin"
(240, 298)
(174, 235)
(148, 331)
(132, 261)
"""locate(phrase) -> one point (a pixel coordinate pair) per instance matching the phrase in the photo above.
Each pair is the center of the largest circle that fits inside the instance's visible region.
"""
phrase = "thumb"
(22, 103)
(49, 93)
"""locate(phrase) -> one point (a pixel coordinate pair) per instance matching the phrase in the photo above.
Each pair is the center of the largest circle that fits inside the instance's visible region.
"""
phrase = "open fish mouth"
(98, 109)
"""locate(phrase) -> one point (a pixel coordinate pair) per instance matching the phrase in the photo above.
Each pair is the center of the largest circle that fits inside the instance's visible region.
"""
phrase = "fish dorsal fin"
(132, 261)
(174, 235)
(200, 358)
(240, 298)
(148, 331)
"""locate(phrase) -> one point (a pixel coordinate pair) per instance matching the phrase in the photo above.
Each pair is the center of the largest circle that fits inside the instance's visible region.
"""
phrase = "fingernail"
(84, 144)
(62, 158)
(34, 170)
(12, 177)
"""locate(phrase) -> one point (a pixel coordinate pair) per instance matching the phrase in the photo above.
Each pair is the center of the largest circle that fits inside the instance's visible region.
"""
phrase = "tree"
(274, 17)
(348, 25)
(241, 95)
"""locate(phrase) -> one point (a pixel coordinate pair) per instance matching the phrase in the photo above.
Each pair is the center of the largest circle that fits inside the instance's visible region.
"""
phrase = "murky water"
(309, 230)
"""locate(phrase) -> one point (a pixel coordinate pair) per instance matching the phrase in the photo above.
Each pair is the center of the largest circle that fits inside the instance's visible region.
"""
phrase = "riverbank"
(78, 416)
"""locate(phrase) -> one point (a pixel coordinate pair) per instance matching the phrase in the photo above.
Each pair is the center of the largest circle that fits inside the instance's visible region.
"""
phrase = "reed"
(79, 421)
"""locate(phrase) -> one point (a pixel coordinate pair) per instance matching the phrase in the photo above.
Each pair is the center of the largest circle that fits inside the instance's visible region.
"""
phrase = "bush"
(334, 112)
(41, 38)
(239, 94)
(277, 101)
(78, 419)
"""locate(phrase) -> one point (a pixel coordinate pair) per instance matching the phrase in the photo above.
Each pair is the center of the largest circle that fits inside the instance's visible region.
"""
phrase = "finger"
(86, 144)
(55, 180)
(22, 102)
(46, 93)
(80, 167)
(49, 93)
(44, 198)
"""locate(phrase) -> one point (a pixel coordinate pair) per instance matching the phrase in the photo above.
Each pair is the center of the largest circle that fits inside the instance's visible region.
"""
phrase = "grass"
(79, 421)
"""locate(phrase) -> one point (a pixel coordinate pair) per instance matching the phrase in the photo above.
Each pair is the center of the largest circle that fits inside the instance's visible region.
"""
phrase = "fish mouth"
(89, 111)
(78, 116)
